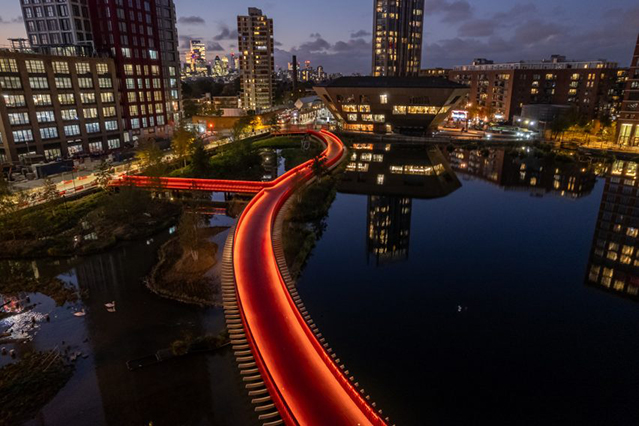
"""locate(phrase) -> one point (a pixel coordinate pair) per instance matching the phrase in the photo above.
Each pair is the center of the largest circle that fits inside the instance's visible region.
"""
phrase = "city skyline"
(455, 32)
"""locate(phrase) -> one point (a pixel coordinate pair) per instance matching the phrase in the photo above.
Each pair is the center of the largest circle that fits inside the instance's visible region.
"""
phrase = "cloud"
(225, 34)
(360, 33)
(351, 56)
(315, 35)
(316, 45)
(277, 43)
(451, 11)
(191, 20)
(214, 46)
(477, 28)
(17, 20)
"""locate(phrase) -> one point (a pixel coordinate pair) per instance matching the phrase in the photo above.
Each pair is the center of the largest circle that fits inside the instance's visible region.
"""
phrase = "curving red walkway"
(305, 384)
(307, 387)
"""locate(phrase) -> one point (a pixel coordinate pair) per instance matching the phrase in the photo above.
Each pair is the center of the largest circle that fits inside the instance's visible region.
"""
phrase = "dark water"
(476, 307)
(198, 390)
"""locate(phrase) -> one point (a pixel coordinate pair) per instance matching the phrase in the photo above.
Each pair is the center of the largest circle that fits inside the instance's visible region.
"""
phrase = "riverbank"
(85, 226)
(183, 275)
(306, 222)
(29, 384)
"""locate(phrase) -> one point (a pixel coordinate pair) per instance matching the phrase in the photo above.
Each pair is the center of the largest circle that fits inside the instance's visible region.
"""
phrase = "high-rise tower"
(628, 126)
(257, 62)
(397, 37)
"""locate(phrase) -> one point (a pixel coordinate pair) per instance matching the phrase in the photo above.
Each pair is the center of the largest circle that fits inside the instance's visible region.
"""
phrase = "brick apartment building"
(628, 128)
(594, 87)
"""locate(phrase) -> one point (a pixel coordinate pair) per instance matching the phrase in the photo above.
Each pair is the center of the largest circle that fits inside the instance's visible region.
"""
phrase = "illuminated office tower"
(257, 62)
(397, 37)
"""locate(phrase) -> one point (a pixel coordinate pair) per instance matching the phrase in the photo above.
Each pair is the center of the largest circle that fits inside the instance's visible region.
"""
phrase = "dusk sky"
(337, 33)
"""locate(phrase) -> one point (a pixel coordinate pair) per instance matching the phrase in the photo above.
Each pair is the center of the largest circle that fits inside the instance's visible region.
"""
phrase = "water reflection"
(392, 176)
(614, 257)
(525, 170)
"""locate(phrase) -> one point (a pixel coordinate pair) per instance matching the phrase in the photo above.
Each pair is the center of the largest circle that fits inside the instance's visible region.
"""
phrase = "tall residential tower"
(628, 126)
(141, 37)
(257, 61)
(397, 37)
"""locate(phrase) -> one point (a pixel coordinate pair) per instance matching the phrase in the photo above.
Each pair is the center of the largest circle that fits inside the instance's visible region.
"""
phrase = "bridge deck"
(307, 386)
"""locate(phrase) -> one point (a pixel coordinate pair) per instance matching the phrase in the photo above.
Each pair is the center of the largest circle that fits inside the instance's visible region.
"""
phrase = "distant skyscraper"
(397, 37)
(196, 57)
(628, 126)
(257, 62)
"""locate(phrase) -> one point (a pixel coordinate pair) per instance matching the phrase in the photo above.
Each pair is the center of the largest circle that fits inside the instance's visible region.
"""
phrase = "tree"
(104, 174)
(149, 154)
(189, 232)
(182, 143)
(7, 205)
(200, 165)
(190, 108)
(50, 193)
(319, 166)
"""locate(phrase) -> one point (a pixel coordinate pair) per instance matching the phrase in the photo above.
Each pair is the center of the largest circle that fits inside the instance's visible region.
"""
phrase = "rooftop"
(394, 82)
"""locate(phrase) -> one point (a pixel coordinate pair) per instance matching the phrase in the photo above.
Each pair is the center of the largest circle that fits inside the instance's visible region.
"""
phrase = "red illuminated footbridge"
(290, 372)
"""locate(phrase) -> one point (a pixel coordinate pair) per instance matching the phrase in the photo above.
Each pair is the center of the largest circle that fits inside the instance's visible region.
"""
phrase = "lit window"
(399, 109)
(383, 99)
(380, 179)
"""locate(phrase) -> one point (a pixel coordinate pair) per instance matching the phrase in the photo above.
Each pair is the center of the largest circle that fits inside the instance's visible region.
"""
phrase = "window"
(351, 117)
(108, 111)
(72, 130)
(93, 127)
(87, 98)
(22, 135)
(49, 132)
(95, 146)
(107, 98)
(114, 143)
(105, 83)
(69, 114)
(52, 153)
(159, 108)
(160, 120)
(102, 68)
(380, 179)
(431, 110)
(10, 83)
(66, 98)
(8, 65)
(111, 125)
(42, 100)
(85, 83)
(383, 99)
(130, 83)
(38, 83)
(135, 123)
(45, 116)
(128, 69)
(399, 110)
(63, 83)
(90, 113)
(83, 68)
(61, 67)
(14, 101)
(18, 118)
(364, 108)
(134, 110)
(35, 67)
(379, 118)
(367, 117)
(132, 97)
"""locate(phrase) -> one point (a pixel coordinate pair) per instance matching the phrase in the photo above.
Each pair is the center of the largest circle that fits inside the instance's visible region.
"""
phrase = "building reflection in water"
(522, 170)
(391, 176)
(614, 257)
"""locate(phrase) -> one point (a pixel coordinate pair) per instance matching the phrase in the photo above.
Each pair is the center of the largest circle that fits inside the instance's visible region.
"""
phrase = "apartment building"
(58, 106)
